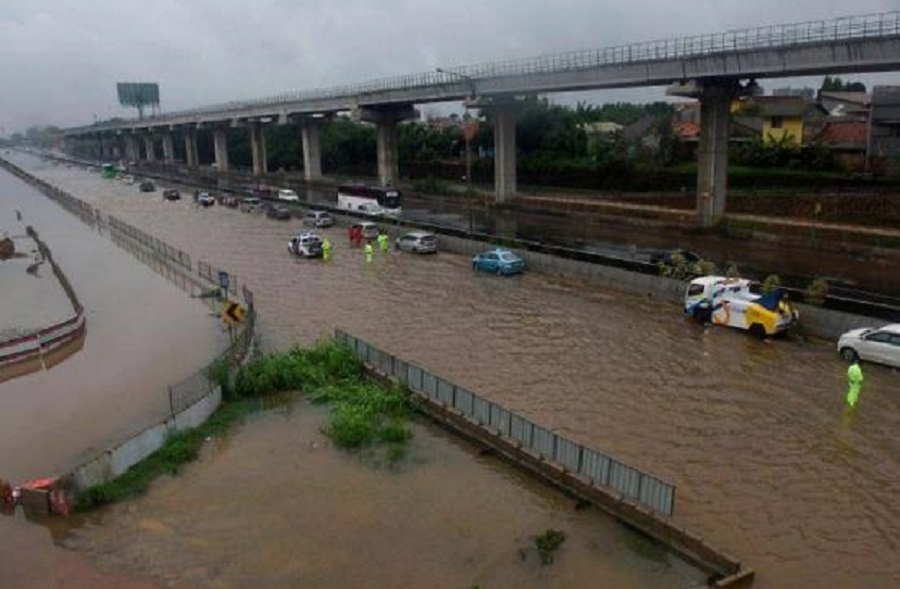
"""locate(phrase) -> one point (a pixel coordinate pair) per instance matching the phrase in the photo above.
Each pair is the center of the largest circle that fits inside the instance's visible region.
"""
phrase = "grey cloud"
(60, 59)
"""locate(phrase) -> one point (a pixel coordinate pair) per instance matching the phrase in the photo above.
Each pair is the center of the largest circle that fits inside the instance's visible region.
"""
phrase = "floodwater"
(768, 462)
(309, 515)
(97, 390)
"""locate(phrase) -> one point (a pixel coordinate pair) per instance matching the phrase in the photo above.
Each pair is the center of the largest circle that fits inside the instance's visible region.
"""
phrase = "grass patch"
(179, 448)
(364, 412)
(548, 543)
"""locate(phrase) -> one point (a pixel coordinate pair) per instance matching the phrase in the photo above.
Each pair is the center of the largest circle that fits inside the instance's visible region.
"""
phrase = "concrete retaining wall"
(117, 460)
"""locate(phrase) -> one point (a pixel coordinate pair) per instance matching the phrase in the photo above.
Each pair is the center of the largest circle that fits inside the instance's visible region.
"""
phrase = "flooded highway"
(112, 385)
(768, 463)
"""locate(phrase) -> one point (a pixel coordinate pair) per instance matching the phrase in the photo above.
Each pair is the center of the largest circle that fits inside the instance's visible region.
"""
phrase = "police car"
(307, 245)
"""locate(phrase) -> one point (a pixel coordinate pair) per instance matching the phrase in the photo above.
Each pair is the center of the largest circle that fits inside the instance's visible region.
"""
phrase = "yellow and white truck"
(738, 302)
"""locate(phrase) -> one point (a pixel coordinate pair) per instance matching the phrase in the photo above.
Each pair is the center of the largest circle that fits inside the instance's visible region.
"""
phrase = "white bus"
(372, 200)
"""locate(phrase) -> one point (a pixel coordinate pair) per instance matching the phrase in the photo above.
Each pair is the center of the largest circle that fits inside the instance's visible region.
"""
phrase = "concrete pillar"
(220, 146)
(258, 149)
(132, 152)
(190, 147)
(168, 143)
(388, 154)
(312, 153)
(149, 148)
(504, 153)
(386, 119)
(712, 164)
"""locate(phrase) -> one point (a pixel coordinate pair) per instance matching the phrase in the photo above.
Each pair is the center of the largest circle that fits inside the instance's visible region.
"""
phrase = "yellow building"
(781, 117)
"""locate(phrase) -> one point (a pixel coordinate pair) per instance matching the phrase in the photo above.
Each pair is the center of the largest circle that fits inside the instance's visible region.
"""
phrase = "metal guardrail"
(869, 26)
(174, 254)
(211, 273)
(188, 391)
(601, 469)
(169, 262)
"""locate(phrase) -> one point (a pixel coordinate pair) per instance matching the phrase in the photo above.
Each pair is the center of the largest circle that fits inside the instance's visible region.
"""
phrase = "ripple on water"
(755, 435)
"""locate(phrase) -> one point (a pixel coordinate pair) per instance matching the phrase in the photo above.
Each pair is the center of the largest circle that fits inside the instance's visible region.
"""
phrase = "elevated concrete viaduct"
(716, 63)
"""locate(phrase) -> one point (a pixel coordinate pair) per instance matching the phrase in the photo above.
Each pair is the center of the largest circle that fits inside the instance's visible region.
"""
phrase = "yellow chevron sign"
(233, 312)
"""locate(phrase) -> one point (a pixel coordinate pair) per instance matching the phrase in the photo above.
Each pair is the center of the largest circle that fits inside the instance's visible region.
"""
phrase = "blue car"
(498, 261)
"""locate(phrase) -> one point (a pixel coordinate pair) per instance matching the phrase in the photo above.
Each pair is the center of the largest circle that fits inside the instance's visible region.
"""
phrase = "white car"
(289, 195)
(881, 345)
(318, 219)
(370, 208)
(306, 245)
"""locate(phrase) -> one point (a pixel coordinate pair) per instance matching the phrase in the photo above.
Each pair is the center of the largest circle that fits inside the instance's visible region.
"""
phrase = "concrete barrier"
(115, 461)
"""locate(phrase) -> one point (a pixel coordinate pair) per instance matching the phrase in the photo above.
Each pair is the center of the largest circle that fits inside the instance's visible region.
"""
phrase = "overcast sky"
(60, 59)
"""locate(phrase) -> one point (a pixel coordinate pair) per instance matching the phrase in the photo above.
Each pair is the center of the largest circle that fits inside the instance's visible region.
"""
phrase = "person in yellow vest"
(369, 251)
(383, 241)
(326, 249)
(854, 380)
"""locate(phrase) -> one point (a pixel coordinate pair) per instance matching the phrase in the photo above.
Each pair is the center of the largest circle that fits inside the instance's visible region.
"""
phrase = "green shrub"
(771, 283)
(351, 426)
(816, 292)
(548, 543)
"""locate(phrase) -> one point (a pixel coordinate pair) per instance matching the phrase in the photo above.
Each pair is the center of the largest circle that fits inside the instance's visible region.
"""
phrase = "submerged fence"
(174, 254)
(170, 263)
(188, 391)
(601, 469)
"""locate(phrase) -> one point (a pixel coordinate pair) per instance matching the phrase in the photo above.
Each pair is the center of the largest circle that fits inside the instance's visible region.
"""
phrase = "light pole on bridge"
(469, 130)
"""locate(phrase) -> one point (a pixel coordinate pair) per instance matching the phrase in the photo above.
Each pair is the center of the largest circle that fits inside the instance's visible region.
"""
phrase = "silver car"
(318, 219)
(417, 242)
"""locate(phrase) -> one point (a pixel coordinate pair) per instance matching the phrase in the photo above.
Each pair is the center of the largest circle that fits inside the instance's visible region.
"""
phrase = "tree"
(835, 84)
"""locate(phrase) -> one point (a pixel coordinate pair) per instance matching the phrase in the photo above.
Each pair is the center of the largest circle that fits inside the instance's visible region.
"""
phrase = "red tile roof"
(844, 134)
(685, 130)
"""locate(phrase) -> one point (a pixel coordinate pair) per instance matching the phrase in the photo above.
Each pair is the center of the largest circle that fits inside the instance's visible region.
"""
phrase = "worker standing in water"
(383, 241)
(326, 250)
(854, 382)
(369, 251)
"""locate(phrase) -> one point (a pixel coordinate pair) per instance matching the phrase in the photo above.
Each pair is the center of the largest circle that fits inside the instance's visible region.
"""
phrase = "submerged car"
(881, 345)
(251, 204)
(366, 230)
(675, 257)
(318, 219)
(498, 261)
(147, 186)
(417, 242)
(204, 199)
(280, 212)
(307, 245)
(230, 201)
(288, 195)
(171, 194)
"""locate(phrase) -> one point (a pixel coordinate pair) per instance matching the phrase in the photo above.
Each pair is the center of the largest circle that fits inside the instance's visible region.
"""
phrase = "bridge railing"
(768, 37)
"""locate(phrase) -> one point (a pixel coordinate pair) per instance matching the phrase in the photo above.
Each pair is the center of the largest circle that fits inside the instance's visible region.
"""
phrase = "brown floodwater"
(769, 464)
(275, 505)
(95, 390)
